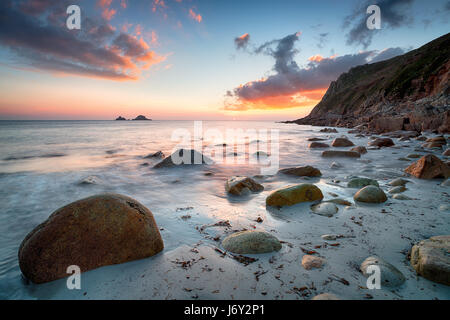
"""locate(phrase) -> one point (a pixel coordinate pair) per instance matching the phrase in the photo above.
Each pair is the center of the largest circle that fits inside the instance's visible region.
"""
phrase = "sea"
(45, 165)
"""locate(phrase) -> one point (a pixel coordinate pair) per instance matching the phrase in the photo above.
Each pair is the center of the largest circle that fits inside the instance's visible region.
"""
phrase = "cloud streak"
(197, 17)
(291, 86)
(394, 14)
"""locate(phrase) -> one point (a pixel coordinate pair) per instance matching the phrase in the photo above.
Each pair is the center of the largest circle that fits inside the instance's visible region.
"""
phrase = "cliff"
(407, 92)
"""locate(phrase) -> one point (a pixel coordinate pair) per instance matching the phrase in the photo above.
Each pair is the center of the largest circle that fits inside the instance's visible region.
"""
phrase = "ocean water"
(43, 162)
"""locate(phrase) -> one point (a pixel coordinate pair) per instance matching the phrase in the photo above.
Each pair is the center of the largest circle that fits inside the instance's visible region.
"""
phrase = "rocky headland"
(408, 92)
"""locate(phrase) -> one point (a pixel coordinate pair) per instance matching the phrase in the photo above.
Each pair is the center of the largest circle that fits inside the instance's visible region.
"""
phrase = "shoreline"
(387, 230)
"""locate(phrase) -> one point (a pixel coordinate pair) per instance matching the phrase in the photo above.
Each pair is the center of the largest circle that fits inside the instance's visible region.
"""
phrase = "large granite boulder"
(361, 183)
(382, 142)
(315, 145)
(183, 157)
(429, 167)
(97, 231)
(431, 259)
(291, 195)
(370, 194)
(251, 242)
(306, 171)
(242, 185)
(359, 149)
(342, 142)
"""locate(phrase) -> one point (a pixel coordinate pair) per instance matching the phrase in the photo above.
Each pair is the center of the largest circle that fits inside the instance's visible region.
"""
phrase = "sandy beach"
(194, 264)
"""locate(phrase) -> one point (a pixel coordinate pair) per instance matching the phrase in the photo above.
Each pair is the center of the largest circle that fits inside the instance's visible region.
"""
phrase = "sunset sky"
(192, 59)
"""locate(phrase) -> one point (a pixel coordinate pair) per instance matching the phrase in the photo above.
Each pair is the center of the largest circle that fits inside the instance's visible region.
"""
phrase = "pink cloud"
(195, 16)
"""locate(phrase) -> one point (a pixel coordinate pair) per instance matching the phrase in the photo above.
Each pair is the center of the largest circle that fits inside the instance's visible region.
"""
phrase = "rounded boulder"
(251, 242)
(370, 194)
(291, 195)
(93, 232)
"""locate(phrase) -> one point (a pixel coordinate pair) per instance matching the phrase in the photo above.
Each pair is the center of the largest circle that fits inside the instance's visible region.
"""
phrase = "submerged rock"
(382, 142)
(398, 182)
(430, 258)
(342, 142)
(390, 275)
(446, 153)
(315, 139)
(329, 237)
(183, 157)
(370, 194)
(158, 154)
(359, 149)
(446, 183)
(291, 195)
(398, 189)
(242, 185)
(325, 296)
(306, 171)
(341, 202)
(399, 196)
(314, 145)
(97, 231)
(335, 165)
(413, 156)
(309, 262)
(328, 130)
(343, 154)
(326, 209)
(432, 145)
(429, 167)
(251, 242)
(361, 182)
(90, 180)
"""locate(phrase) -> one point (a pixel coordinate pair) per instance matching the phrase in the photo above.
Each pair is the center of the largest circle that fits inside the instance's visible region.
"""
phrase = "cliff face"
(408, 92)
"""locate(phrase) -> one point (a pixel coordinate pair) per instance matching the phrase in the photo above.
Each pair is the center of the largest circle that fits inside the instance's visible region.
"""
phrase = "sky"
(195, 59)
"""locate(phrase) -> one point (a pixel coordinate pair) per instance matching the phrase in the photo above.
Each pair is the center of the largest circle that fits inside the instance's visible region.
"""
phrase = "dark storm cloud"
(322, 40)
(40, 40)
(394, 14)
(242, 41)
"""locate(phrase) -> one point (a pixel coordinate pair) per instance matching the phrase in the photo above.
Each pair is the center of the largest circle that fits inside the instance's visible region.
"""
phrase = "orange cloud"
(138, 30)
(316, 58)
(297, 100)
(244, 36)
(158, 4)
(107, 13)
(195, 16)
